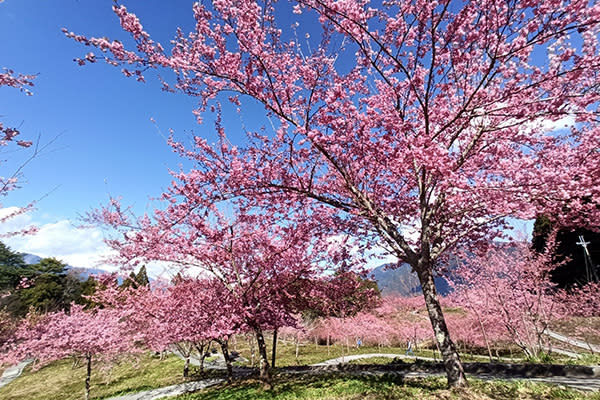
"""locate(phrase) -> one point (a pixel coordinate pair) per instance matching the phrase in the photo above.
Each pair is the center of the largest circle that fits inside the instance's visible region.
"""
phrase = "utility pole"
(590, 268)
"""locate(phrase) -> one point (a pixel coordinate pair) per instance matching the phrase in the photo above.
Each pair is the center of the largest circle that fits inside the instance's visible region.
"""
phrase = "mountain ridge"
(402, 281)
(82, 273)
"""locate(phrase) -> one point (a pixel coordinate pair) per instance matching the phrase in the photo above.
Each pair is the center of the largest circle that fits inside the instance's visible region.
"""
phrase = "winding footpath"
(12, 373)
(576, 381)
(572, 342)
(168, 391)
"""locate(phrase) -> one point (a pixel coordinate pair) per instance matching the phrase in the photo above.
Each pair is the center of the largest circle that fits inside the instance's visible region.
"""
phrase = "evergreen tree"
(45, 287)
(11, 267)
(142, 277)
(88, 288)
(136, 280)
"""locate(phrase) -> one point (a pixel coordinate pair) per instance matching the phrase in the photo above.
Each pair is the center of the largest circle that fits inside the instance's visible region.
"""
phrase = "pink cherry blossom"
(419, 126)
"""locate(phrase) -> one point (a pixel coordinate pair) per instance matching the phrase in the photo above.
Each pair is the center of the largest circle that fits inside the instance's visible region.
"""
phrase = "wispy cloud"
(76, 246)
(70, 243)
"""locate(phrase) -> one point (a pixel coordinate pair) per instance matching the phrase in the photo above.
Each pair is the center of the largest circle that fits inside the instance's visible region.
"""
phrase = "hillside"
(402, 281)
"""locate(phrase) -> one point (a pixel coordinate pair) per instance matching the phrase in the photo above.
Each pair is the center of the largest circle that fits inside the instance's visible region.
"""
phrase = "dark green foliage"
(87, 289)
(136, 280)
(142, 277)
(45, 287)
(46, 292)
(11, 267)
(572, 269)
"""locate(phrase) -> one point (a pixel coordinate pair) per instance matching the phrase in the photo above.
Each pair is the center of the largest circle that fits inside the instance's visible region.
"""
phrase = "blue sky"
(99, 121)
(106, 141)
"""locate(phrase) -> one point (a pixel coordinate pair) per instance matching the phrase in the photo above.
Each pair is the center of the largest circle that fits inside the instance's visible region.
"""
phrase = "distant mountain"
(82, 273)
(31, 258)
(402, 281)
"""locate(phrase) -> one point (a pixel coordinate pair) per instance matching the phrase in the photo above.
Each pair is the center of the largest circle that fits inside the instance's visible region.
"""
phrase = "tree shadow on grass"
(385, 387)
(321, 387)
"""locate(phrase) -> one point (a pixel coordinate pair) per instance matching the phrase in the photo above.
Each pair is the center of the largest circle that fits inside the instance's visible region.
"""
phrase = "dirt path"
(345, 359)
(169, 391)
(11, 373)
(574, 379)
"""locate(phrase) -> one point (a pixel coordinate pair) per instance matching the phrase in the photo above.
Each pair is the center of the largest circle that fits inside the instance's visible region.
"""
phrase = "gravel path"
(11, 373)
(168, 391)
(345, 359)
(591, 383)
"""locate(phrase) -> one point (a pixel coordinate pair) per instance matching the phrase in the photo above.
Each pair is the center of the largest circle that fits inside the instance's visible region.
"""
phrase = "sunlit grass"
(312, 354)
(60, 381)
(386, 387)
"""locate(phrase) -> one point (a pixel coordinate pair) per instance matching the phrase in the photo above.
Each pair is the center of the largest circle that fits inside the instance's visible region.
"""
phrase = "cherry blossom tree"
(509, 285)
(343, 294)
(95, 334)
(186, 316)
(582, 305)
(21, 82)
(8, 136)
(8, 326)
(264, 267)
(422, 125)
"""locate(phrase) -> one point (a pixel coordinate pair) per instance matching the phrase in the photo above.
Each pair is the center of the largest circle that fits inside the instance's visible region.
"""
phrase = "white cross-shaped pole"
(583, 244)
(590, 270)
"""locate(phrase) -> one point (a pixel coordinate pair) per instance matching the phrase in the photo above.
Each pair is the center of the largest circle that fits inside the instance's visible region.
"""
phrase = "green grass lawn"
(294, 387)
(60, 381)
(311, 354)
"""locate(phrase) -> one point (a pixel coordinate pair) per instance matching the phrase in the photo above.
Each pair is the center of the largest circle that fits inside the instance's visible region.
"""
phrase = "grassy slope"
(372, 388)
(60, 381)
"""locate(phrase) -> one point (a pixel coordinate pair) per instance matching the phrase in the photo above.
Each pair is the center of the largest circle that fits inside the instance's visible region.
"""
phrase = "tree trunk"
(451, 358)
(487, 343)
(252, 350)
(88, 376)
(225, 349)
(274, 349)
(202, 348)
(265, 369)
(186, 367)
(202, 357)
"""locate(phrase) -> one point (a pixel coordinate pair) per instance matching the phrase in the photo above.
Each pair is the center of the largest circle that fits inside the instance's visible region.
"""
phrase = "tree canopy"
(420, 126)
(46, 286)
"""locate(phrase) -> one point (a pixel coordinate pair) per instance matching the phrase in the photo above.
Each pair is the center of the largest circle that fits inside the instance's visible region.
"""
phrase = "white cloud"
(563, 123)
(15, 223)
(76, 246)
